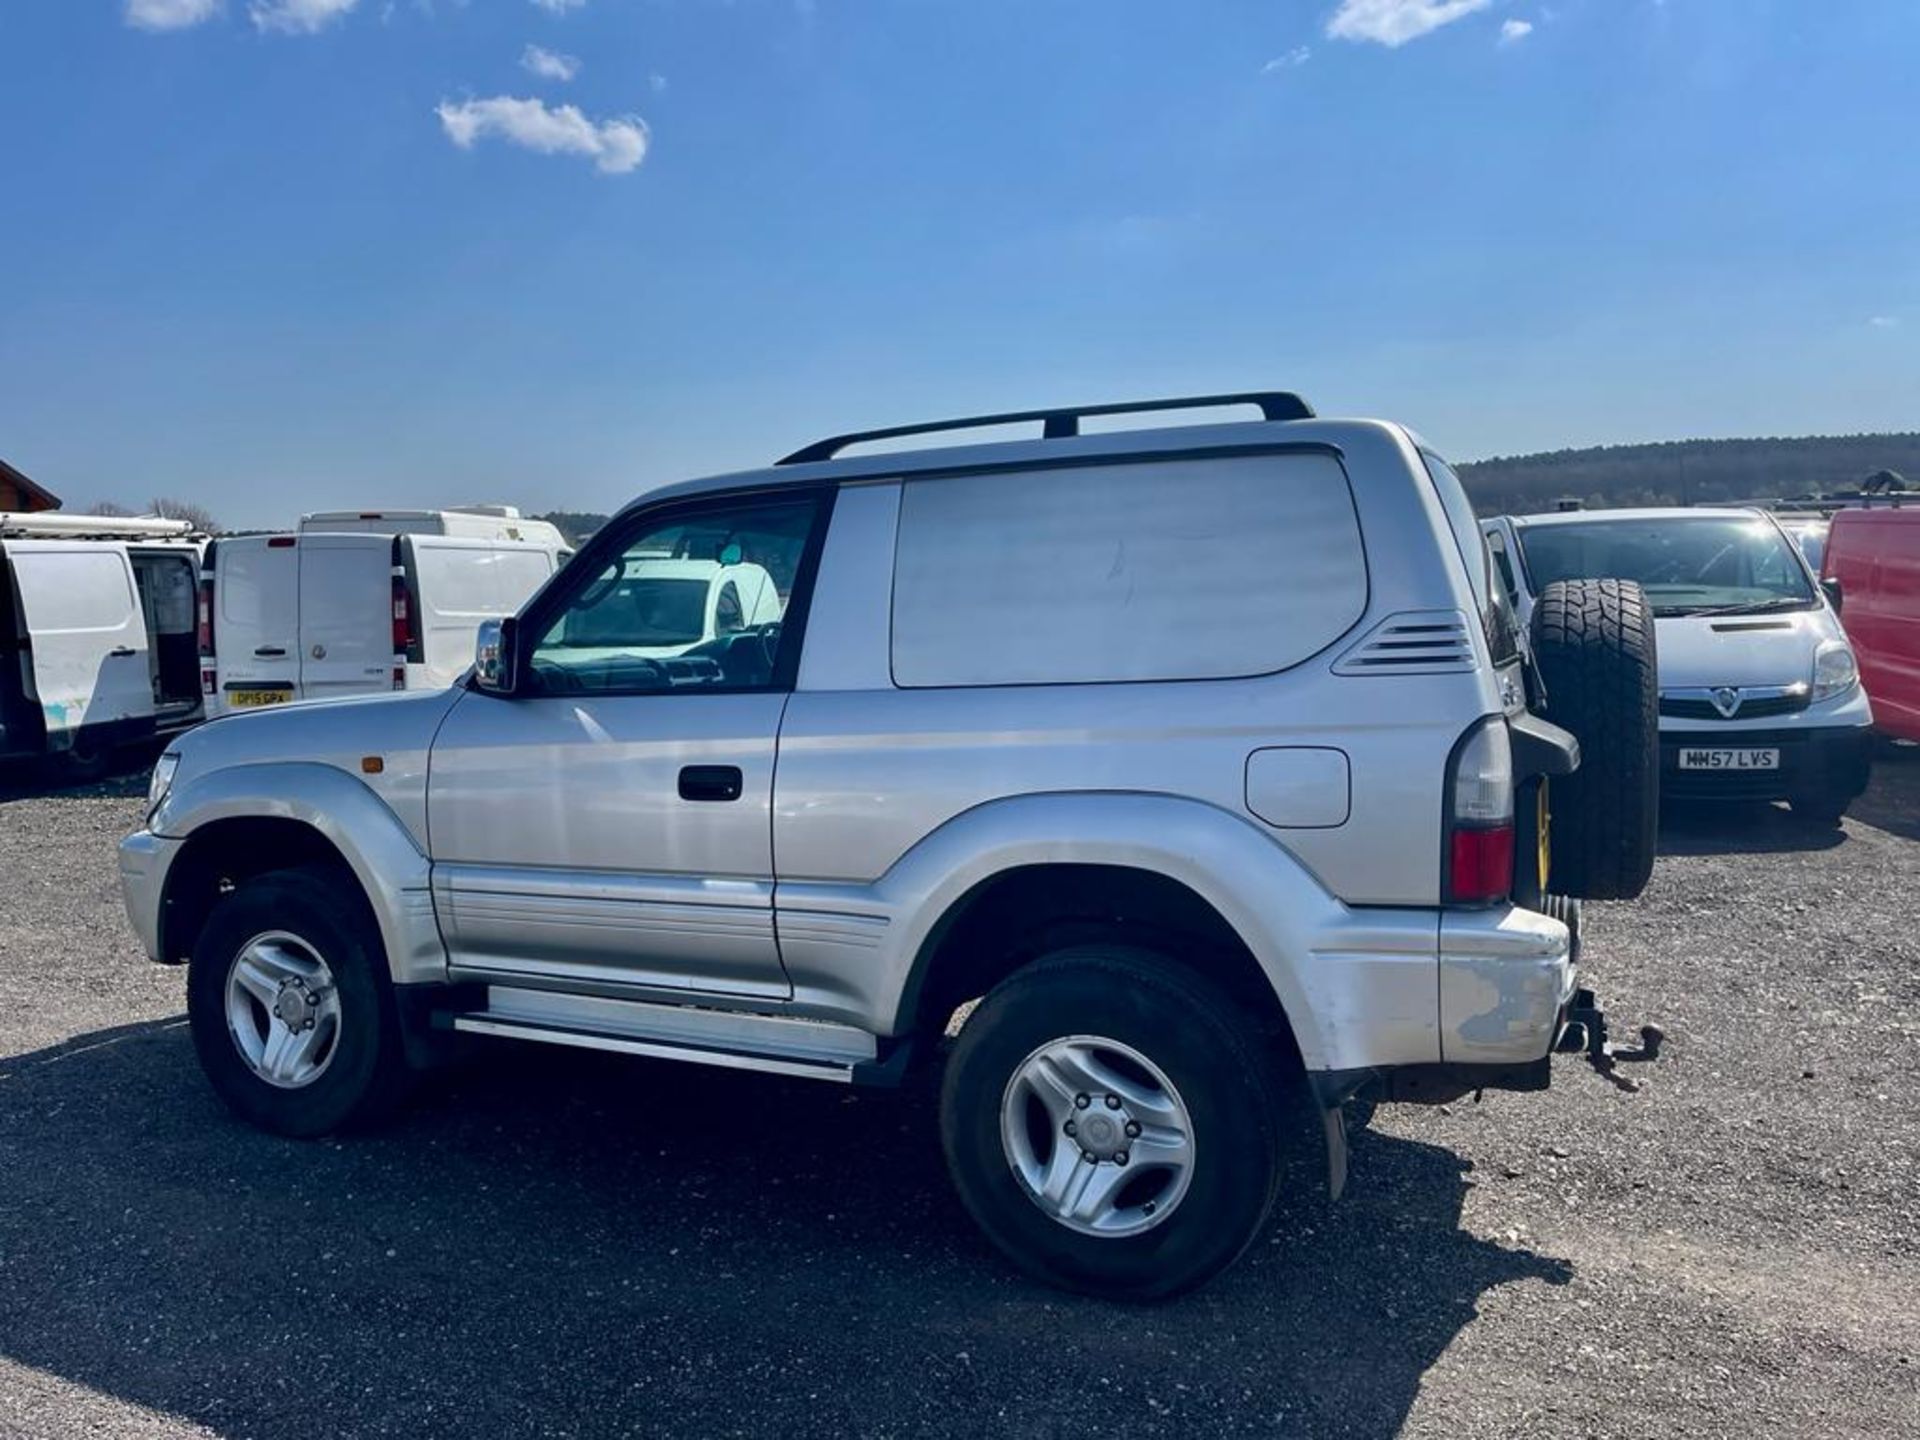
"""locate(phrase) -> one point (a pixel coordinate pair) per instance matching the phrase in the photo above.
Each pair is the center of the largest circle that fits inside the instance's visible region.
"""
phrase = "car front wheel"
(292, 1016)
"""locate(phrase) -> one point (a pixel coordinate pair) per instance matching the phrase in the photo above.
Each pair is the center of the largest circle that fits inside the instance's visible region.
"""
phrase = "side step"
(735, 1040)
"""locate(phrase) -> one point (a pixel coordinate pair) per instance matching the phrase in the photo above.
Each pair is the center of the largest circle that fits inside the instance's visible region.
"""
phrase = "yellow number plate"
(243, 699)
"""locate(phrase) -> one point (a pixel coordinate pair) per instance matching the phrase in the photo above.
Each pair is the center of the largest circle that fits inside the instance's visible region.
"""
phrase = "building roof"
(34, 496)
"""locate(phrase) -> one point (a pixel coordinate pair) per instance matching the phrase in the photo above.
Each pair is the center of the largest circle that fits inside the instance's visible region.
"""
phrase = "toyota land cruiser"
(1202, 758)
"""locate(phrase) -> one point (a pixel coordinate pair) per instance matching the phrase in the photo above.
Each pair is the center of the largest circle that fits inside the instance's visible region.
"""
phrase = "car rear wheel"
(1115, 1124)
(292, 1015)
(1593, 644)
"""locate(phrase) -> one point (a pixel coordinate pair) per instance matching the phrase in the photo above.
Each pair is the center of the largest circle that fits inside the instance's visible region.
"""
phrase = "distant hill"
(1678, 472)
(577, 525)
(1670, 472)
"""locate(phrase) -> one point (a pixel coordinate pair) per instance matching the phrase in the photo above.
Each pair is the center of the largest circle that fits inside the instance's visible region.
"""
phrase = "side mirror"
(494, 661)
(1831, 588)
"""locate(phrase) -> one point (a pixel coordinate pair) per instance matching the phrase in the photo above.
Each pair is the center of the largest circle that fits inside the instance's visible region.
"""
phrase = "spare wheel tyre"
(1593, 643)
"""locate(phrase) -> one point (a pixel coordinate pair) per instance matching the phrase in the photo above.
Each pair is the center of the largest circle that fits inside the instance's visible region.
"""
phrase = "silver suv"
(1199, 757)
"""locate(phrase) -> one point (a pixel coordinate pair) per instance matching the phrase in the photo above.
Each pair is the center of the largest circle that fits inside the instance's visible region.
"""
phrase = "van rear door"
(346, 615)
(86, 636)
(256, 621)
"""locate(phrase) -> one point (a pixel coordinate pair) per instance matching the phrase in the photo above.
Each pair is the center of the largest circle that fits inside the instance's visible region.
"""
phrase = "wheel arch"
(248, 820)
(1226, 897)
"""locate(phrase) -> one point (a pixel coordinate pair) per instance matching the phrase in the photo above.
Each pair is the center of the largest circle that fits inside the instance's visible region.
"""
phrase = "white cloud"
(548, 65)
(1292, 60)
(1394, 22)
(170, 14)
(297, 17)
(617, 146)
(1512, 32)
(657, 83)
(559, 7)
(1885, 322)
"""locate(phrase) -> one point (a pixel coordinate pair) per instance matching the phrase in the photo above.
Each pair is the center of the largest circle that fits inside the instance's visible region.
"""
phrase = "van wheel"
(1115, 1124)
(1828, 810)
(85, 762)
(1593, 644)
(290, 1006)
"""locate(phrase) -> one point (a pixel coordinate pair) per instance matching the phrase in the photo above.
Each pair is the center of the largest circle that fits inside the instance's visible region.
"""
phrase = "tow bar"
(1586, 1029)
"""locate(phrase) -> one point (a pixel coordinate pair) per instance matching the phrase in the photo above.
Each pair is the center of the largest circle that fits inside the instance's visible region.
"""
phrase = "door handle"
(121, 652)
(270, 652)
(711, 782)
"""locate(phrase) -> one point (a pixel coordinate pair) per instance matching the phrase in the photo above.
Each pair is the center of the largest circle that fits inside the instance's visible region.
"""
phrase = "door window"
(664, 612)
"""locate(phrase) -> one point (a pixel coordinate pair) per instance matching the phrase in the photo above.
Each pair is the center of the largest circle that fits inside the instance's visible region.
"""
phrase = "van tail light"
(402, 616)
(204, 620)
(1478, 861)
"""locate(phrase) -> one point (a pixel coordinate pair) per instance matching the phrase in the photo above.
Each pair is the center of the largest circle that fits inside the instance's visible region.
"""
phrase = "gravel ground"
(558, 1245)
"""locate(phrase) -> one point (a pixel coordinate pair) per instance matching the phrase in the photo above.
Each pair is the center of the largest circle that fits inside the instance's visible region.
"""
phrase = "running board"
(736, 1040)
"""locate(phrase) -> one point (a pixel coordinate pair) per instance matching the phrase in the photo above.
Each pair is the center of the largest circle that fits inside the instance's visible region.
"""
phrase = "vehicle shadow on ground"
(561, 1244)
(1693, 827)
(1892, 801)
(27, 779)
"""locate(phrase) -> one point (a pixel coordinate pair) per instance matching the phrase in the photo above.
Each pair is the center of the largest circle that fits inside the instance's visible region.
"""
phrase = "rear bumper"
(1506, 976)
(145, 859)
(1831, 760)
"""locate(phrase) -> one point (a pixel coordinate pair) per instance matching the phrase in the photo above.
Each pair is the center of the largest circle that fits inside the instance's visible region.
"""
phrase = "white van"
(322, 613)
(1760, 695)
(470, 522)
(96, 635)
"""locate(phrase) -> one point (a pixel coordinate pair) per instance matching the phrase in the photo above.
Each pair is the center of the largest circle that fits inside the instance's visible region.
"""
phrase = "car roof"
(1647, 512)
(1144, 442)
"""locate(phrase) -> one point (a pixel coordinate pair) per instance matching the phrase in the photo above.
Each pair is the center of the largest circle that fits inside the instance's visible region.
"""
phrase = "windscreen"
(1688, 565)
(643, 612)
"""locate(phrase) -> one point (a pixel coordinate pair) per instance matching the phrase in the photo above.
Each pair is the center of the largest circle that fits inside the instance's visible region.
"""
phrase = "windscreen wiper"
(1754, 607)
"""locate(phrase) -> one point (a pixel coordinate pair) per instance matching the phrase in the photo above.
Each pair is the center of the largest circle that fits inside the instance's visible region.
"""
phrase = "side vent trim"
(1413, 642)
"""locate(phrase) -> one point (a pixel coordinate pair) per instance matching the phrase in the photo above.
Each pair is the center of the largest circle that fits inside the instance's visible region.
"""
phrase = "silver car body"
(536, 845)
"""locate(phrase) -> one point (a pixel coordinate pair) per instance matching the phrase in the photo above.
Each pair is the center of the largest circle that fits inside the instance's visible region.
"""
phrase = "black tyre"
(1820, 809)
(1122, 1056)
(1593, 642)
(85, 762)
(291, 1010)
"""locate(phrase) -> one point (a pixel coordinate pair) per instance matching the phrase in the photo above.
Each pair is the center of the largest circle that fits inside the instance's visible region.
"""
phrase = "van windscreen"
(1688, 565)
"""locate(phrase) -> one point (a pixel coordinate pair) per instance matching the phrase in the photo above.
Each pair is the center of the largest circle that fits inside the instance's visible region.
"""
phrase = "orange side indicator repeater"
(372, 765)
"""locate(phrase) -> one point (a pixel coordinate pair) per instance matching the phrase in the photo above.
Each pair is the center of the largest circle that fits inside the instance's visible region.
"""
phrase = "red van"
(1875, 555)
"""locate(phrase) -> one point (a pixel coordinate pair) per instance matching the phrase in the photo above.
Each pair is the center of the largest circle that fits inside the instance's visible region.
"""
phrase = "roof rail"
(1058, 424)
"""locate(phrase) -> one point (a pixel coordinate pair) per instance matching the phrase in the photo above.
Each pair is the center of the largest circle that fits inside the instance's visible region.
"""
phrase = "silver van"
(1177, 793)
(1760, 694)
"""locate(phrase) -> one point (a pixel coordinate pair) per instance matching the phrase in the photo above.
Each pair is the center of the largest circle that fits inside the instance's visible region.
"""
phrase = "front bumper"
(145, 859)
(1826, 760)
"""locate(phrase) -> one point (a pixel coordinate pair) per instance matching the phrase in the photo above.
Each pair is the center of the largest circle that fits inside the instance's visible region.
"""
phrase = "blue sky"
(280, 254)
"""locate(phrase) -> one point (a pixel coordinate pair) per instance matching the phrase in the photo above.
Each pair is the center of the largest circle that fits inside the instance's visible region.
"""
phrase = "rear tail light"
(204, 618)
(402, 616)
(209, 682)
(1479, 822)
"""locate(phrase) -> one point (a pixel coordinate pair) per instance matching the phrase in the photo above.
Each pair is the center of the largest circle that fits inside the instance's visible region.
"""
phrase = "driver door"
(610, 823)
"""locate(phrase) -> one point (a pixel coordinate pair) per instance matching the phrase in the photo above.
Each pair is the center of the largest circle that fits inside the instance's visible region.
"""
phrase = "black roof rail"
(1059, 423)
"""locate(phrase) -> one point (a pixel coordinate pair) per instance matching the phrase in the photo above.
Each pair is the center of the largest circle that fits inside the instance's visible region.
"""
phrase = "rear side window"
(456, 581)
(1495, 618)
(74, 590)
(1198, 569)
